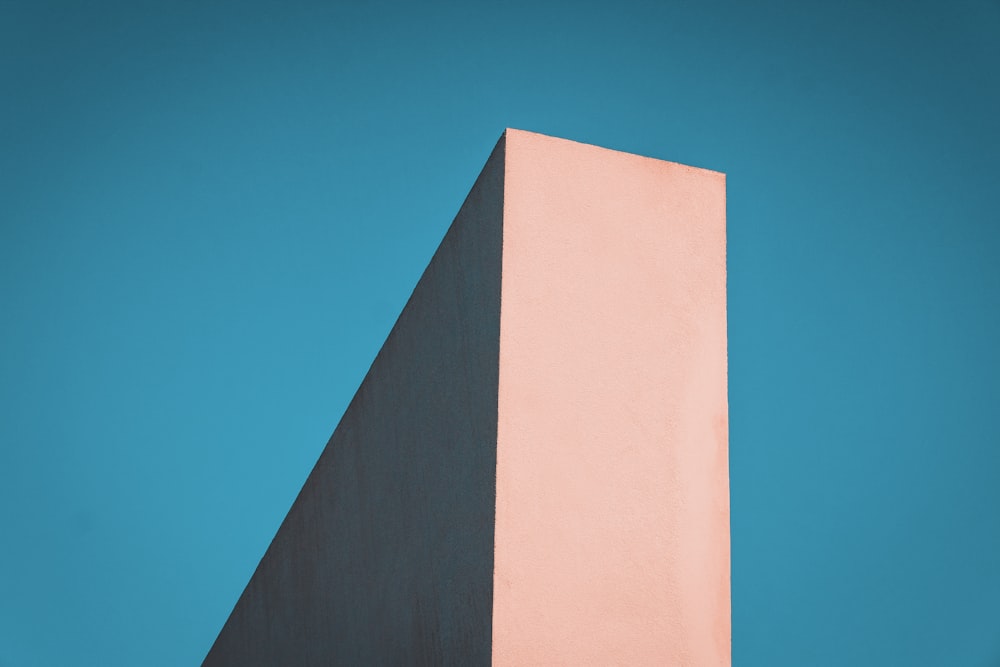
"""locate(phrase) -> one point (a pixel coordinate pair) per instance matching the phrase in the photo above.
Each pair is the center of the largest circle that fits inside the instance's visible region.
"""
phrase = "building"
(535, 469)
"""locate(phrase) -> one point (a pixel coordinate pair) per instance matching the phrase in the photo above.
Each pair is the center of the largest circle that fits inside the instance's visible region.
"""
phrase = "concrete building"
(535, 469)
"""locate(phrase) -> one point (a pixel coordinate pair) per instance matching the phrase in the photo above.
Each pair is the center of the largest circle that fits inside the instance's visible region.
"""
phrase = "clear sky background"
(211, 215)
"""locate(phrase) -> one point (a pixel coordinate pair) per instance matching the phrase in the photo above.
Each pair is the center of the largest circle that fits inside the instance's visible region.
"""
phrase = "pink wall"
(612, 505)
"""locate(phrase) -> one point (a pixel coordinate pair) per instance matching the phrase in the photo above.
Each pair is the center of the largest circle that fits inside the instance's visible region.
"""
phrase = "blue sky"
(211, 215)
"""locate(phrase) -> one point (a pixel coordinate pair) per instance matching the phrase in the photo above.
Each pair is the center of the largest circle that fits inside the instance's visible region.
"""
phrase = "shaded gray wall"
(386, 556)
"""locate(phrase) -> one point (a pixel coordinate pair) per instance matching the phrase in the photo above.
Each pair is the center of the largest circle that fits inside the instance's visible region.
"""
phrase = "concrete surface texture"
(612, 515)
(535, 469)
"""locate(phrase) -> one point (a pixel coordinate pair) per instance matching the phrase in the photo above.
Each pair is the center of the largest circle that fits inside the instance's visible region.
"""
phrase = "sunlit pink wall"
(612, 508)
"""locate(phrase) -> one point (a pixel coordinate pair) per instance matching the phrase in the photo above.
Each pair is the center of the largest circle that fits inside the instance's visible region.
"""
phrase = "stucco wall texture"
(535, 469)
